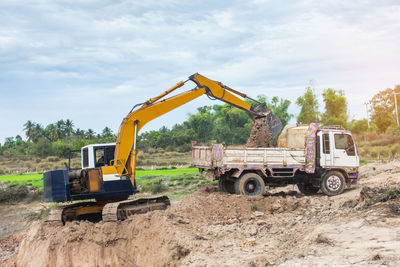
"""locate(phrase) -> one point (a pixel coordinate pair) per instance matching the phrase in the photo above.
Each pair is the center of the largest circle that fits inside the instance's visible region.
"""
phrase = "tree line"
(223, 123)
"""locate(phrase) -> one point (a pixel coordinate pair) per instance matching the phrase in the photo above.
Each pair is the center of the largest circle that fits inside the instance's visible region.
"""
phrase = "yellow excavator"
(111, 180)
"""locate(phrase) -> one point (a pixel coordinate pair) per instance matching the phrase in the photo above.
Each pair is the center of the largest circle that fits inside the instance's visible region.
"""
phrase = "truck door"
(344, 150)
(325, 159)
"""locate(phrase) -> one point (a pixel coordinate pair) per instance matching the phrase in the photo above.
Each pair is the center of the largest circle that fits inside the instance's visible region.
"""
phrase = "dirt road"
(209, 228)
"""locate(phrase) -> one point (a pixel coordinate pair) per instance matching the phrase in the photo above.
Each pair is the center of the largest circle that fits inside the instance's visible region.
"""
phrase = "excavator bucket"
(274, 123)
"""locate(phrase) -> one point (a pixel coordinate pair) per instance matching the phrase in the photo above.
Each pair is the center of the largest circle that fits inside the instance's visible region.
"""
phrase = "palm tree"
(61, 128)
(90, 134)
(79, 133)
(37, 132)
(107, 132)
(51, 132)
(28, 128)
(69, 127)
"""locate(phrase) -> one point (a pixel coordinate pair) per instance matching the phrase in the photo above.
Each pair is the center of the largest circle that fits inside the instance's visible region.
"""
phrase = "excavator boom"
(125, 151)
(114, 182)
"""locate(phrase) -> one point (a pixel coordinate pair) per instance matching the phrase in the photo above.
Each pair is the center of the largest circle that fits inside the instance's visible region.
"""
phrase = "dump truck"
(314, 157)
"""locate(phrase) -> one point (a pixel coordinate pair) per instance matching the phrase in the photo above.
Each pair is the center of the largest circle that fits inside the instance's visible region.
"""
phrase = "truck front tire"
(333, 183)
(250, 184)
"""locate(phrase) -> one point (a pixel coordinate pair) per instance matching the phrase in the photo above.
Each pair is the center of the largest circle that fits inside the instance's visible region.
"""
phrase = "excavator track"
(113, 211)
(123, 209)
(59, 215)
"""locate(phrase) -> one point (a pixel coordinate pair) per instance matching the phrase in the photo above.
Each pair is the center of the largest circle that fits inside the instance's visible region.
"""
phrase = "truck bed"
(217, 155)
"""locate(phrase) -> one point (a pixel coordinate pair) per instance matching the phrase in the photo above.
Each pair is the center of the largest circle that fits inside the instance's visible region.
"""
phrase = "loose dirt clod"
(260, 135)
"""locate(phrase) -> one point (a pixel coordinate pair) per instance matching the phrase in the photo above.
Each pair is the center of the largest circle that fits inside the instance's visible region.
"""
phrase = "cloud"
(89, 54)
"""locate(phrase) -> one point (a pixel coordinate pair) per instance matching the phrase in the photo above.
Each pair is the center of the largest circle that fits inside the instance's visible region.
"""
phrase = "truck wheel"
(221, 185)
(333, 183)
(307, 189)
(226, 186)
(250, 184)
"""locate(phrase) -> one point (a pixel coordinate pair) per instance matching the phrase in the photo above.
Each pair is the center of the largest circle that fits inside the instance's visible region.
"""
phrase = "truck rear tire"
(333, 183)
(307, 189)
(250, 184)
(226, 186)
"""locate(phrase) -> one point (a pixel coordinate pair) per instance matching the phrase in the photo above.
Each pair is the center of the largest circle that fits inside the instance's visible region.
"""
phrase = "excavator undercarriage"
(113, 211)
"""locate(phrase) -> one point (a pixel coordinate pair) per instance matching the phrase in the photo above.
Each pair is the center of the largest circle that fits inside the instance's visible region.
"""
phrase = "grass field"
(36, 179)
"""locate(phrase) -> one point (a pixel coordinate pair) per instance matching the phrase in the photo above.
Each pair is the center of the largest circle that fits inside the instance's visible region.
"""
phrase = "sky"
(91, 61)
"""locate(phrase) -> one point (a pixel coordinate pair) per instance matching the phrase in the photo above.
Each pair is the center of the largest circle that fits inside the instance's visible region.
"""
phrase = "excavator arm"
(112, 185)
(125, 151)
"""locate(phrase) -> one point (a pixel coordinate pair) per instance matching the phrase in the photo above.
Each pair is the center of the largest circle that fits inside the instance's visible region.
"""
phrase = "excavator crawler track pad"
(122, 210)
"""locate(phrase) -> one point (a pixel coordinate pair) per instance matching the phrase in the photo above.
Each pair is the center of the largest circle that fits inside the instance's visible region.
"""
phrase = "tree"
(309, 107)
(51, 132)
(79, 133)
(29, 128)
(69, 127)
(202, 123)
(359, 126)
(383, 109)
(90, 134)
(107, 132)
(335, 108)
(279, 107)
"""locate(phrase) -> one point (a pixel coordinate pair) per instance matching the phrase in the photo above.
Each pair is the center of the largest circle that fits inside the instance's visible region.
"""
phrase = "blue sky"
(91, 61)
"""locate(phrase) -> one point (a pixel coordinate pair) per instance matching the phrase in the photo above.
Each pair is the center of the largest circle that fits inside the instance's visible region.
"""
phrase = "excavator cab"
(97, 155)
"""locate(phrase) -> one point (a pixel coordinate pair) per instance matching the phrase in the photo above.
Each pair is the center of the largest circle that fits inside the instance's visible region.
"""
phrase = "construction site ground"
(209, 228)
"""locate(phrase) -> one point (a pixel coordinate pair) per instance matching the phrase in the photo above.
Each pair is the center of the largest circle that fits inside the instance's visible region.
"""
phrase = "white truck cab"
(337, 149)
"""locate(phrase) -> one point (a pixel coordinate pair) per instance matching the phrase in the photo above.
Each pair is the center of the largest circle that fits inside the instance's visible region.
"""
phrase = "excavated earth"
(260, 135)
(359, 227)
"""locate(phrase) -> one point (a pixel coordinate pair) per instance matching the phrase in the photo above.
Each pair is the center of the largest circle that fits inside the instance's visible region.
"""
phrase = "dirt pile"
(260, 135)
(210, 228)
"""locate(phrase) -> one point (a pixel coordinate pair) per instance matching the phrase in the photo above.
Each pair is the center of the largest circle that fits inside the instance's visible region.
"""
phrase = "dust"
(260, 135)
(210, 228)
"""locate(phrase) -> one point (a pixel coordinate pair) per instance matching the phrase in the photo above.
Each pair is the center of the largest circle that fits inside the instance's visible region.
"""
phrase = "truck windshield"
(345, 141)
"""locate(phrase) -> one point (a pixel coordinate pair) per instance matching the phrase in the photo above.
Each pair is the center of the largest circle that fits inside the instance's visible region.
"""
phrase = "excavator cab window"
(99, 156)
(103, 155)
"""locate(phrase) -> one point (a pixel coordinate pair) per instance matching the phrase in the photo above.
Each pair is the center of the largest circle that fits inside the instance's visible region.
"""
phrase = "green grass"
(142, 175)
(21, 177)
(24, 179)
(169, 172)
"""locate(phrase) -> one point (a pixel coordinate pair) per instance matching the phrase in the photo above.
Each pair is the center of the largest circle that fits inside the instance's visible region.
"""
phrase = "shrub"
(4, 170)
(394, 149)
(155, 187)
(374, 152)
(13, 194)
(52, 159)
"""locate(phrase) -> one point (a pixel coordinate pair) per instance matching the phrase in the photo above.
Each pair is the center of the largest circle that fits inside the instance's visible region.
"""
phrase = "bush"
(52, 159)
(155, 187)
(394, 149)
(4, 170)
(13, 194)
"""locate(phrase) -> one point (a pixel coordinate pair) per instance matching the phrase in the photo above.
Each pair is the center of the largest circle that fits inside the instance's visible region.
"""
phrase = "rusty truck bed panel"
(217, 155)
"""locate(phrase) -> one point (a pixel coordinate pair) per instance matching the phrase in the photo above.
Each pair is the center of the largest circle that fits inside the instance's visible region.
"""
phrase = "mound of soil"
(260, 135)
(210, 228)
